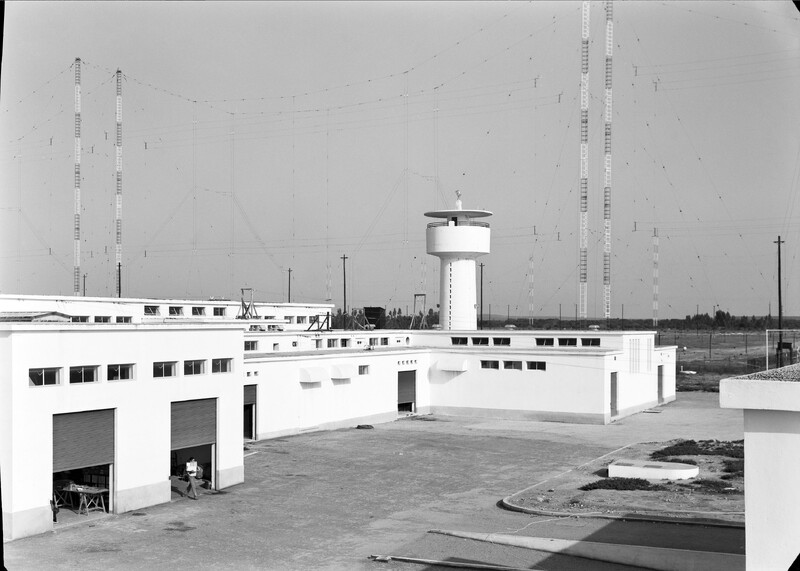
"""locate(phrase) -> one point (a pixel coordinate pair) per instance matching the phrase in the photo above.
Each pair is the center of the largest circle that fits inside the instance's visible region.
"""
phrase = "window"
(119, 372)
(502, 341)
(345, 342)
(276, 347)
(102, 319)
(332, 343)
(175, 310)
(318, 343)
(80, 318)
(290, 318)
(567, 342)
(123, 318)
(544, 341)
(537, 366)
(151, 310)
(198, 311)
(373, 341)
(221, 365)
(219, 312)
(43, 377)
(363, 369)
(83, 374)
(164, 369)
(195, 367)
(250, 345)
(590, 341)
(480, 340)
(516, 365)
(490, 364)
(458, 340)
(301, 319)
(384, 340)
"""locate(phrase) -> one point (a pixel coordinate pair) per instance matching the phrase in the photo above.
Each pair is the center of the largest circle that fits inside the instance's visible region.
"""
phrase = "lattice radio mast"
(118, 210)
(655, 277)
(607, 186)
(76, 245)
(584, 194)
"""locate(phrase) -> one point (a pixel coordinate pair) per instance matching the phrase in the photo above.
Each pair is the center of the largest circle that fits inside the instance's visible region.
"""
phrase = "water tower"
(458, 239)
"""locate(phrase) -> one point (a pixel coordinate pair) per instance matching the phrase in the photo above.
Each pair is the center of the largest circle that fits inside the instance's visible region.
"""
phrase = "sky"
(260, 137)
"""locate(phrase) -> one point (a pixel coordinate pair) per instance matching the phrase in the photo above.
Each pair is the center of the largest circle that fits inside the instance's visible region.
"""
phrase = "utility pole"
(481, 322)
(84, 285)
(119, 280)
(344, 280)
(780, 305)
(290, 285)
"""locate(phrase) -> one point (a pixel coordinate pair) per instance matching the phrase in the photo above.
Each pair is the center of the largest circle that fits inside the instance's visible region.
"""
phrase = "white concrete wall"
(287, 406)
(142, 410)
(772, 493)
(771, 410)
(569, 389)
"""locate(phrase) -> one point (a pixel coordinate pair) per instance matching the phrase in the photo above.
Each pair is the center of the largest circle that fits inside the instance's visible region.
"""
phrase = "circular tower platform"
(458, 240)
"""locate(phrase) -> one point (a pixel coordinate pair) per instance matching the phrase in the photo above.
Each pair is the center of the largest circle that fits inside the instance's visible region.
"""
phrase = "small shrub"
(623, 484)
(731, 449)
(713, 487)
(734, 466)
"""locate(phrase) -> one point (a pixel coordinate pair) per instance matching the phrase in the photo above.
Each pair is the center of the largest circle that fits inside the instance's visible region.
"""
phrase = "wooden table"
(90, 497)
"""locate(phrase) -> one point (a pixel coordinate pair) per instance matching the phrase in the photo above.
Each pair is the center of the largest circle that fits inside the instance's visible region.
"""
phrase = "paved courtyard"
(328, 500)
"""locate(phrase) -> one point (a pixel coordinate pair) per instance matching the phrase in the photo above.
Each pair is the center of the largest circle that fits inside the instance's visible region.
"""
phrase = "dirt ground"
(720, 502)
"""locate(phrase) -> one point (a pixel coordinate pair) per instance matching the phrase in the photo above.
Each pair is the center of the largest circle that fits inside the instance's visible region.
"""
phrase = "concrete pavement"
(328, 500)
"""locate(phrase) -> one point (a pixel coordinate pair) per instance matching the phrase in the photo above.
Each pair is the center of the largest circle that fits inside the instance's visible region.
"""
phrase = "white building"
(120, 392)
(770, 403)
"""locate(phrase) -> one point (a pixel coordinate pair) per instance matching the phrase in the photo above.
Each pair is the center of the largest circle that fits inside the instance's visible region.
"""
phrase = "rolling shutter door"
(406, 386)
(250, 394)
(194, 423)
(82, 439)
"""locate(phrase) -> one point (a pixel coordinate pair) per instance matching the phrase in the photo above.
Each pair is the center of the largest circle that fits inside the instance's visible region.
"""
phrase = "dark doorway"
(83, 459)
(194, 433)
(614, 411)
(660, 384)
(406, 391)
(249, 413)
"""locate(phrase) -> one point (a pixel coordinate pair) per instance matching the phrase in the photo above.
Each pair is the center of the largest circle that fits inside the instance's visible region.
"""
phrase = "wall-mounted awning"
(343, 371)
(314, 374)
(452, 363)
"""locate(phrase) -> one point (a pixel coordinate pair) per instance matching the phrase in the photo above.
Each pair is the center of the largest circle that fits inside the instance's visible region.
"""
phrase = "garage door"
(406, 386)
(250, 394)
(82, 439)
(194, 423)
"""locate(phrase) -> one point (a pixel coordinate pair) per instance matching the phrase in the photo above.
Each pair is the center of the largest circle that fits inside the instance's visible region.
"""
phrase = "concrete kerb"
(665, 517)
